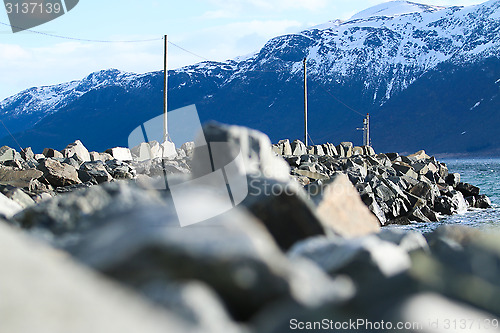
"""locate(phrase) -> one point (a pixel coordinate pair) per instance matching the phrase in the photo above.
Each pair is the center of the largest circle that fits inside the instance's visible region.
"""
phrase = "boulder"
(298, 148)
(58, 174)
(358, 151)
(418, 156)
(147, 151)
(19, 196)
(73, 213)
(453, 179)
(443, 171)
(482, 201)
(18, 178)
(238, 150)
(28, 155)
(284, 209)
(120, 169)
(404, 169)
(285, 147)
(369, 151)
(342, 210)
(77, 149)
(168, 150)
(37, 187)
(450, 205)
(363, 259)
(416, 215)
(318, 150)
(8, 154)
(467, 189)
(94, 170)
(8, 207)
(188, 147)
(66, 297)
(95, 156)
(410, 241)
(119, 153)
(49, 152)
(425, 191)
(232, 253)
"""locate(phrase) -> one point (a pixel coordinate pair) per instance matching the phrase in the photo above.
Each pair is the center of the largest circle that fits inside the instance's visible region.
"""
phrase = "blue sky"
(214, 29)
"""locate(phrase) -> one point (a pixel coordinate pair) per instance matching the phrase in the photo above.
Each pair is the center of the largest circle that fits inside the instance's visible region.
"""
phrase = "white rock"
(168, 150)
(121, 154)
(8, 208)
(77, 148)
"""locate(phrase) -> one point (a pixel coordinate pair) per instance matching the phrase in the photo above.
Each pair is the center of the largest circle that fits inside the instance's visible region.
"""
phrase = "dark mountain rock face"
(429, 77)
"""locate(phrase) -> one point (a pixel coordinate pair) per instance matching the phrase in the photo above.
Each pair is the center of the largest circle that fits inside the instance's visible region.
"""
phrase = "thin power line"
(83, 39)
(338, 100)
(192, 53)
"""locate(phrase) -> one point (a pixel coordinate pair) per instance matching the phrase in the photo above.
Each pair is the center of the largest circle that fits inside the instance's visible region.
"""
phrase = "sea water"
(481, 172)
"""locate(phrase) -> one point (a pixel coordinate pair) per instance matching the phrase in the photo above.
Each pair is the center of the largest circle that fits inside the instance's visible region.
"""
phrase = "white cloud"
(25, 67)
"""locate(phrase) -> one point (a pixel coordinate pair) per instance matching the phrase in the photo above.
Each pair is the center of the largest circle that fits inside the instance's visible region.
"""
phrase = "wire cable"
(83, 39)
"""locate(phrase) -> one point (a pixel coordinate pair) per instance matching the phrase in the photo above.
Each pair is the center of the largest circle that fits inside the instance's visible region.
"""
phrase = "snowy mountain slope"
(395, 8)
(372, 63)
(36, 103)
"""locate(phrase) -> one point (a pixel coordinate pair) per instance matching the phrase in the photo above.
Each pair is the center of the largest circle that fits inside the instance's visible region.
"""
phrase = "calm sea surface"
(484, 173)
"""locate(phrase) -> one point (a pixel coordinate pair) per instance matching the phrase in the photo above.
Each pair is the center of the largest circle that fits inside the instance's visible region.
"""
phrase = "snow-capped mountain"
(377, 62)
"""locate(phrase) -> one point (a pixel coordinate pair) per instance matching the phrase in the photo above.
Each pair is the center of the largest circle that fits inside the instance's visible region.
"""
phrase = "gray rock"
(467, 190)
(168, 150)
(247, 151)
(188, 147)
(450, 205)
(49, 152)
(416, 215)
(8, 154)
(120, 170)
(418, 309)
(37, 187)
(482, 201)
(404, 169)
(361, 259)
(77, 149)
(284, 209)
(193, 301)
(69, 214)
(232, 253)
(342, 209)
(453, 179)
(18, 178)
(409, 241)
(94, 170)
(28, 155)
(348, 148)
(418, 156)
(74, 161)
(65, 297)
(58, 174)
(425, 191)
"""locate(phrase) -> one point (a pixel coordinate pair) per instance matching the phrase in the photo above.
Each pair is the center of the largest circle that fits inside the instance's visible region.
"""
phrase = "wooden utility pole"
(165, 90)
(306, 134)
(366, 131)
